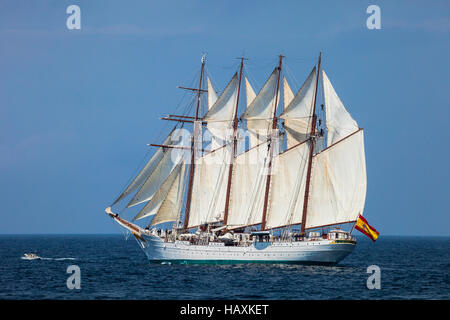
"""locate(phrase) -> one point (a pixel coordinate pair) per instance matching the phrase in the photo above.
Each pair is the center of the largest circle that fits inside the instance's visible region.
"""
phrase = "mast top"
(281, 59)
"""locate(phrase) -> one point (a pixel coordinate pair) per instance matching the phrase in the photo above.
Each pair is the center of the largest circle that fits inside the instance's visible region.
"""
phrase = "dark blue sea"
(112, 267)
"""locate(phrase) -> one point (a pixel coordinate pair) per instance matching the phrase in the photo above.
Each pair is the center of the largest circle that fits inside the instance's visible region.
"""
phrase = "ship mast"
(311, 150)
(269, 168)
(233, 154)
(193, 149)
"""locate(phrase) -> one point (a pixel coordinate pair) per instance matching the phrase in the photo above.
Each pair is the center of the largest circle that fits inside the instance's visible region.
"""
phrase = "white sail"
(209, 187)
(288, 93)
(171, 206)
(250, 93)
(157, 200)
(171, 157)
(248, 187)
(212, 94)
(338, 183)
(297, 115)
(259, 113)
(339, 122)
(220, 116)
(287, 188)
(146, 171)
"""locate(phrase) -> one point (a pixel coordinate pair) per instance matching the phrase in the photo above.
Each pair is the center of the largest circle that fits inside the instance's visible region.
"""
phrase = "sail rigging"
(234, 197)
(264, 185)
(273, 145)
(170, 158)
(148, 169)
(194, 147)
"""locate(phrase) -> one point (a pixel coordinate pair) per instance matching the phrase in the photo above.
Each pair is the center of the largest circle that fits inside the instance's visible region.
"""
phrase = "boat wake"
(55, 259)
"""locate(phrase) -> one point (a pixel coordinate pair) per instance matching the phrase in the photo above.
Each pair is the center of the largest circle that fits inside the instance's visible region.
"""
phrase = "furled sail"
(171, 157)
(247, 187)
(339, 122)
(259, 113)
(171, 206)
(338, 183)
(146, 171)
(220, 116)
(209, 187)
(287, 189)
(160, 196)
(297, 115)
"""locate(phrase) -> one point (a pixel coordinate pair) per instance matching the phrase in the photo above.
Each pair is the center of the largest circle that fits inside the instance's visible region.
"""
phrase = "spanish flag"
(363, 226)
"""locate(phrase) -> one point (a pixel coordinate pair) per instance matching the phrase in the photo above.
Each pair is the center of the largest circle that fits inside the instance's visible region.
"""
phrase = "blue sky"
(77, 107)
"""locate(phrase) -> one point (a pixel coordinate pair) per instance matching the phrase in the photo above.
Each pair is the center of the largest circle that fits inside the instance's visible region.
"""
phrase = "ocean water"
(115, 268)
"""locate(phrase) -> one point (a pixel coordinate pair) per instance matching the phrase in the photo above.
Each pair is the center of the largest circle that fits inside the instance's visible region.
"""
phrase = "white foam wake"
(55, 259)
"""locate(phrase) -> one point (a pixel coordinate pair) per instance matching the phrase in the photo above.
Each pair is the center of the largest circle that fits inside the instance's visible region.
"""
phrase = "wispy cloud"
(436, 25)
(115, 30)
(31, 148)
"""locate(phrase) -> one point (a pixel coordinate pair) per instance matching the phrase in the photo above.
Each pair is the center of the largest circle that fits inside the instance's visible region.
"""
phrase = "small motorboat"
(31, 256)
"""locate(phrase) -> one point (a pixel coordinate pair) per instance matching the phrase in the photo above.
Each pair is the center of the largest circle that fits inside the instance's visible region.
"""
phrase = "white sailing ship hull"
(321, 252)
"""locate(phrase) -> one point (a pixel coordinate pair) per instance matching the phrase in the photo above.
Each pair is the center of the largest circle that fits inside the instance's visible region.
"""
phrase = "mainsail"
(209, 188)
(288, 187)
(247, 187)
(338, 183)
(338, 176)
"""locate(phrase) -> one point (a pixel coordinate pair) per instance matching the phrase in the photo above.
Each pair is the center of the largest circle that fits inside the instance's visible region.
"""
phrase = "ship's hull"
(316, 252)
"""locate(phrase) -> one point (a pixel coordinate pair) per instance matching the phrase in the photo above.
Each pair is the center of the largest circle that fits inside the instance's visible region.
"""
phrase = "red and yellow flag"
(363, 226)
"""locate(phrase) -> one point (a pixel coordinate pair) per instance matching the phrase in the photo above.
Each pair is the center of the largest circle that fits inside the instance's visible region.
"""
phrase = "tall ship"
(245, 177)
